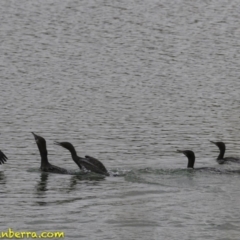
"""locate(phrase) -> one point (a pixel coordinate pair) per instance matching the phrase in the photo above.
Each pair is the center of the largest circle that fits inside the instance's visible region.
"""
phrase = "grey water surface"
(128, 82)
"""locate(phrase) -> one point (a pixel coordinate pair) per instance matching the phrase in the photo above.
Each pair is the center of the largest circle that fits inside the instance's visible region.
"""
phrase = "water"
(128, 82)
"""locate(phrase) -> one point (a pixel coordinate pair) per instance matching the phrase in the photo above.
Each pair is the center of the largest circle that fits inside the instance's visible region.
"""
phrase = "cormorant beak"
(35, 136)
(213, 142)
(57, 143)
(181, 151)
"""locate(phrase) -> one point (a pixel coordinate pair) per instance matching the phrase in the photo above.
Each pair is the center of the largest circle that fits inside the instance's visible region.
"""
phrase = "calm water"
(128, 82)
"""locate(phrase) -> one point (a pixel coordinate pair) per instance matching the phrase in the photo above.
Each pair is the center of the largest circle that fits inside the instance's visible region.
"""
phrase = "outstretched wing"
(3, 158)
(97, 163)
(92, 167)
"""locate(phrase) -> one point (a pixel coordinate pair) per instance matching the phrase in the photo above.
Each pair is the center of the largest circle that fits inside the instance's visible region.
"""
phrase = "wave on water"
(137, 174)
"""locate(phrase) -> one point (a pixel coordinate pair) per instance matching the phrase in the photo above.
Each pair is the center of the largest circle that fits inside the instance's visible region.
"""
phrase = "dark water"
(128, 82)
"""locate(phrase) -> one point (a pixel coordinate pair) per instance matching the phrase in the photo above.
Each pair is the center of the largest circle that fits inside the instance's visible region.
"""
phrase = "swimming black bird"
(45, 165)
(3, 158)
(221, 159)
(191, 160)
(190, 155)
(89, 163)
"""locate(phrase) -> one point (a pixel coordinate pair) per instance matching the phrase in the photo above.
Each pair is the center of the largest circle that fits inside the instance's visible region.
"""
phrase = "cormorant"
(191, 160)
(221, 159)
(45, 165)
(3, 158)
(89, 163)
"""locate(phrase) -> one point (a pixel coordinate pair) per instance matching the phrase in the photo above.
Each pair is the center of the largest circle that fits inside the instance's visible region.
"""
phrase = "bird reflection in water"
(2, 178)
(76, 179)
(42, 188)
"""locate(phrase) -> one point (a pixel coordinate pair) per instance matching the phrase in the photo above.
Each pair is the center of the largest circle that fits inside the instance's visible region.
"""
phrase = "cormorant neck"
(75, 157)
(221, 154)
(44, 160)
(191, 161)
(44, 155)
(77, 160)
(72, 151)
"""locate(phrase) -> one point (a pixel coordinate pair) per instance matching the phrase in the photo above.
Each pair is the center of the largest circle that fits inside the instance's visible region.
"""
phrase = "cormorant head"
(41, 143)
(190, 155)
(39, 139)
(220, 145)
(67, 145)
